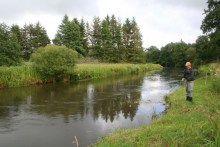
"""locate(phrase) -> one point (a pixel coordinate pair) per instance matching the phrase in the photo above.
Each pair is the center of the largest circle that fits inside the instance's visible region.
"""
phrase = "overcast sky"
(160, 21)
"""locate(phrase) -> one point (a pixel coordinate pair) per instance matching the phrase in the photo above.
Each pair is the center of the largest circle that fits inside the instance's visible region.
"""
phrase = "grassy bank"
(96, 71)
(185, 124)
(26, 75)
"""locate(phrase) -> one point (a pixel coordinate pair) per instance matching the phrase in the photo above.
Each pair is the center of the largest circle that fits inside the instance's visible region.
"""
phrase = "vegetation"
(9, 47)
(184, 124)
(106, 40)
(15, 76)
(53, 62)
(27, 74)
(97, 71)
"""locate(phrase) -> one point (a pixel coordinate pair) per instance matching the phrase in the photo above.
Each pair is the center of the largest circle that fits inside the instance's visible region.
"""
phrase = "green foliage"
(70, 34)
(33, 36)
(53, 62)
(9, 48)
(15, 76)
(153, 54)
(211, 26)
(107, 40)
(211, 22)
(174, 54)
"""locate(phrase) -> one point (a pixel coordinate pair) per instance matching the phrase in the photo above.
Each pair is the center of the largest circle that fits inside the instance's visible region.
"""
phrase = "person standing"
(188, 76)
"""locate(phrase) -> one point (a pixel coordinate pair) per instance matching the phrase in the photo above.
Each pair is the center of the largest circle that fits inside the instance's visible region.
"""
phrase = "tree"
(69, 34)
(203, 48)
(9, 48)
(117, 40)
(107, 42)
(33, 36)
(211, 26)
(153, 54)
(84, 36)
(211, 22)
(132, 41)
(96, 39)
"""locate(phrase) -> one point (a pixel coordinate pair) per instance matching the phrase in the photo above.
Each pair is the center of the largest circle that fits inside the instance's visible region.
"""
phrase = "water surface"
(52, 115)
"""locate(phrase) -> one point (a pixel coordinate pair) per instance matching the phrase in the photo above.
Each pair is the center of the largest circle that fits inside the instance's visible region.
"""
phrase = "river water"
(56, 115)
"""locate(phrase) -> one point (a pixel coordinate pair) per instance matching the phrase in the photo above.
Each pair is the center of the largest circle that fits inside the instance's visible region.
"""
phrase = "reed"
(101, 70)
(18, 76)
(27, 75)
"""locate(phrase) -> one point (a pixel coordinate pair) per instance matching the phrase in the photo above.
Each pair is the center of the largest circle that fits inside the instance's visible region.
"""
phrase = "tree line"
(109, 40)
(106, 40)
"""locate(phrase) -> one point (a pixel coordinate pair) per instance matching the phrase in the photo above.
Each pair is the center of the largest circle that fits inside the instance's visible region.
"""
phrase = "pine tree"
(69, 34)
(107, 44)
(84, 36)
(133, 41)
(96, 38)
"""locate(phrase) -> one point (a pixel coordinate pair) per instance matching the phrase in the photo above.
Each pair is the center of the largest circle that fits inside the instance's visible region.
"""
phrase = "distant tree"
(107, 42)
(153, 54)
(9, 47)
(69, 34)
(16, 30)
(133, 41)
(203, 48)
(117, 40)
(96, 38)
(33, 36)
(84, 36)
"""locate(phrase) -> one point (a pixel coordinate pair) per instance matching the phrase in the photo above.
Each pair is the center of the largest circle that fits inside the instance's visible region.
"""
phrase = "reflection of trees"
(121, 100)
(107, 99)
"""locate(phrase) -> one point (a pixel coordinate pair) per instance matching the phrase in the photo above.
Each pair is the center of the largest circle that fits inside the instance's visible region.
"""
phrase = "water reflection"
(84, 109)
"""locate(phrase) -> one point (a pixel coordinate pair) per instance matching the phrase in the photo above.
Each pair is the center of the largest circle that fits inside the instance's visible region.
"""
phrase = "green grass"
(185, 124)
(18, 76)
(101, 70)
(26, 75)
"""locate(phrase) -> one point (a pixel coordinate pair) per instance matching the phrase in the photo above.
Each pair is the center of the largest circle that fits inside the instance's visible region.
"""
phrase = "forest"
(111, 41)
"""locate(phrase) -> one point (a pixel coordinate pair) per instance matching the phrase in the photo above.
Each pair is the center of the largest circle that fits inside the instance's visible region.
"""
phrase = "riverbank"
(26, 75)
(184, 124)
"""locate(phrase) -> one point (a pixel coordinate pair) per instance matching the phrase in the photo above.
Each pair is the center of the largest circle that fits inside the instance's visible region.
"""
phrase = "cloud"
(160, 21)
(12, 9)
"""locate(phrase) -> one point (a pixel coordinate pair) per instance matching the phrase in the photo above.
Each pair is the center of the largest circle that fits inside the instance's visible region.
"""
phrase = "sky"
(160, 21)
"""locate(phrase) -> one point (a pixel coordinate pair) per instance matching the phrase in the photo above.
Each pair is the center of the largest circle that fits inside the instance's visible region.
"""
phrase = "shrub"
(53, 62)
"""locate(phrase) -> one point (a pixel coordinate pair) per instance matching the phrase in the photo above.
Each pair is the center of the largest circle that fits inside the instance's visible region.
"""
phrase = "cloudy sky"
(160, 21)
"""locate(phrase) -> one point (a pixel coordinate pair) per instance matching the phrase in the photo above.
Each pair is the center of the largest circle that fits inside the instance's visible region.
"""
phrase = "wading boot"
(190, 99)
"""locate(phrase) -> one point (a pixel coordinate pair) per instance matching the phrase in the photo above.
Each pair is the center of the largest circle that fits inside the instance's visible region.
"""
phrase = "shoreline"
(26, 75)
(183, 124)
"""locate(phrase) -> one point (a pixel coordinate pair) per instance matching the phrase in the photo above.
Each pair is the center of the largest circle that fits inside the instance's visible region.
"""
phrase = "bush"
(53, 62)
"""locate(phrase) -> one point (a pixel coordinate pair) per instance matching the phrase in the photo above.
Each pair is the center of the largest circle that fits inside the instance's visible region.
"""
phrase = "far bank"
(26, 75)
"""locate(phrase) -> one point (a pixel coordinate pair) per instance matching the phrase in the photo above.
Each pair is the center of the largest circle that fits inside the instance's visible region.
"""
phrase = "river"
(56, 115)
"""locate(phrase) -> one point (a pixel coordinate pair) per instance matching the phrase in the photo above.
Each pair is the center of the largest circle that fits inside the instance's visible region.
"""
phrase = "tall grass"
(185, 124)
(96, 71)
(18, 76)
(26, 75)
